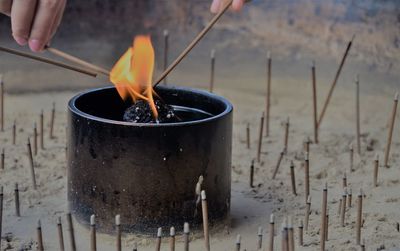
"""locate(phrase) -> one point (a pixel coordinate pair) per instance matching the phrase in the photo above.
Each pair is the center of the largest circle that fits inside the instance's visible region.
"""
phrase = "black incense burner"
(147, 172)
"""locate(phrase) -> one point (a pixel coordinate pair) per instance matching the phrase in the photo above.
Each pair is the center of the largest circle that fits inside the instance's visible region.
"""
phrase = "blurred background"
(294, 31)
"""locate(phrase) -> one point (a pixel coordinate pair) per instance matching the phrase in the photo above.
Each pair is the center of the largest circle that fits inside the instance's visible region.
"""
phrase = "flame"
(132, 74)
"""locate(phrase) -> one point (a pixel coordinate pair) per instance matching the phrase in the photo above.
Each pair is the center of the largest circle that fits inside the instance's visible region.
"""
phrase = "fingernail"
(215, 6)
(35, 45)
(21, 41)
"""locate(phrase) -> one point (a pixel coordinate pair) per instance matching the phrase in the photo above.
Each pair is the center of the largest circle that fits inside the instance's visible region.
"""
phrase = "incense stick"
(339, 208)
(278, 163)
(248, 135)
(315, 110)
(271, 232)
(238, 240)
(260, 138)
(284, 236)
(166, 49)
(186, 232)
(358, 115)
(351, 151)
(328, 98)
(60, 234)
(327, 225)
(134, 246)
(1, 103)
(39, 236)
(41, 130)
(205, 219)
(349, 197)
(287, 125)
(1, 212)
(359, 217)
(322, 232)
(93, 245)
(14, 132)
(343, 209)
(260, 238)
(212, 70)
(118, 230)
(293, 178)
(301, 233)
(2, 157)
(17, 205)
(307, 214)
(376, 168)
(35, 143)
(390, 132)
(252, 174)
(268, 94)
(31, 164)
(307, 143)
(344, 180)
(172, 239)
(306, 175)
(159, 236)
(71, 232)
(290, 234)
(52, 118)
(48, 61)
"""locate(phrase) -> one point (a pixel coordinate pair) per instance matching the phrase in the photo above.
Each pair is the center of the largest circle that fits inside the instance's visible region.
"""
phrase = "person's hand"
(217, 5)
(33, 22)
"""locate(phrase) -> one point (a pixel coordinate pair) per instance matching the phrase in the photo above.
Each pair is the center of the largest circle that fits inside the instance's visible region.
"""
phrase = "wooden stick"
(260, 138)
(31, 164)
(39, 236)
(42, 130)
(1, 212)
(186, 233)
(172, 239)
(322, 231)
(290, 234)
(35, 140)
(376, 168)
(14, 132)
(194, 42)
(351, 151)
(293, 178)
(73, 59)
(315, 110)
(362, 245)
(60, 234)
(301, 243)
(390, 132)
(248, 135)
(93, 244)
(1, 103)
(166, 49)
(278, 163)
(307, 143)
(212, 71)
(343, 210)
(271, 232)
(339, 213)
(238, 239)
(17, 205)
(52, 118)
(48, 61)
(349, 198)
(118, 230)
(252, 174)
(159, 236)
(2, 163)
(204, 208)
(359, 217)
(307, 214)
(268, 94)
(327, 226)
(358, 130)
(71, 231)
(260, 238)
(344, 180)
(287, 125)
(328, 98)
(306, 175)
(284, 236)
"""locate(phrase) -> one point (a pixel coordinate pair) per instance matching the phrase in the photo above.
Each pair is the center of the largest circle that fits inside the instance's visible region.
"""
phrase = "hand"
(33, 22)
(217, 5)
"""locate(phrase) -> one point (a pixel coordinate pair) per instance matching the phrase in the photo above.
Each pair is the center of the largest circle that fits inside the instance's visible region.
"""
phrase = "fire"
(132, 74)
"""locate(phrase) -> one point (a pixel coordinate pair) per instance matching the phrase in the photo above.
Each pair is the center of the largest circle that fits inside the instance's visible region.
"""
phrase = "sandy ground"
(291, 97)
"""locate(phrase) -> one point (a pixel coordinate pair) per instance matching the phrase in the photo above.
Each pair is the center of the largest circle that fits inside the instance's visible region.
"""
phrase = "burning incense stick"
(172, 239)
(290, 234)
(1, 103)
(2, 157)
(166, 49)
(1, 212)
(159, 236)
(238, 239)
(376, 168)
(14, 132)
(71, 232)
(344, 180)
(390, 132)
(351, 151)
(186, 233)
(42, 130)
(194, 42)
(359, 217)
(48, 61)
(204, 208)
(301, 233)
(268, 94)
(60, 234)
(307, 143)
(93, 245)
(39, 236)
(287, 125)
(260, 238)
(251, 174)
(327, 226)
(307, 214)
(31, 164)
(349, 197)
(16, 196)
(322, 232)
(278, 163)
(343, 209)
(118, 230)
(35, 143)
(328, 98)
(293, 178)
(358, 115)
(306, 175)
(315, 110)
(212, 71)
(52, 118)
(248, 135)
(271, 232)
(260, 138)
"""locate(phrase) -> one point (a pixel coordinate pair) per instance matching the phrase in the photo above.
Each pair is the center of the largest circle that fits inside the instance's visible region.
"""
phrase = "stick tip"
(212, 53)
(117, 220)
(306, 156)
(396, 96)
(300, 223)
(309, 199)
(92, 220)
(159, 232)
(344, 194)
(39, 224)
(290, 222)
(360, 193)
(1, 190)
(1, 79)
(238, 239)
(357, 79)
(313, 63)
(260, 230)
(172, 232)
(135, 246)
(268, 54)
(16, 186)
(325, 186)
(203, 195)
(272, 219)
(186, 228)
(377, 157)
(59, 220)
(166, 33)
(349, 191)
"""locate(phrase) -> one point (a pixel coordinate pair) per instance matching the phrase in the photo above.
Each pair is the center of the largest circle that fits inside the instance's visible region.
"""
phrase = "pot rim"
(228, 108)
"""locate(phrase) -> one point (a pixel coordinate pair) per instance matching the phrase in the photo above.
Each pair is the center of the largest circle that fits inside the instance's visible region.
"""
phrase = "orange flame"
(132, 74)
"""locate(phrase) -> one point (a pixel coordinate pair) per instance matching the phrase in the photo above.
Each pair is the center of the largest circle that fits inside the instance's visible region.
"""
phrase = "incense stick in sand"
(52, 118)
(358, 115)
(159, 236)
(271, 233)
(186, 232)
(376, 168)
(17, 205)
(31, 164)
(268, 94)
(260, 238)
(307, 214)
(205, 220)
(359, 217)
(71, 232)
(41, 130)
(39, 236)
(315, 110)
(238, 240)
(2, 157)
(260, 138)
(278, 164)
(60, 234)
(212, 71)
(322, 232)
(93, 245)
(293, 178)
(306, 175)
(390, 132)
(172, 239)
(248, 135)
(118, 230)
(1, 103)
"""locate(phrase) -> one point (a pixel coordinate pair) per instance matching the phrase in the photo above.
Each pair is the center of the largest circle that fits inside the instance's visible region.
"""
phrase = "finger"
(42, 24)
(237, 5)
(22, 12)
(215, 6)
(57, 21)
(5, 7)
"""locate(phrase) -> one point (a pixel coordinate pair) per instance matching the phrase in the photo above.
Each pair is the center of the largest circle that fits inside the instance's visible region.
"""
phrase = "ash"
(141, 112)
